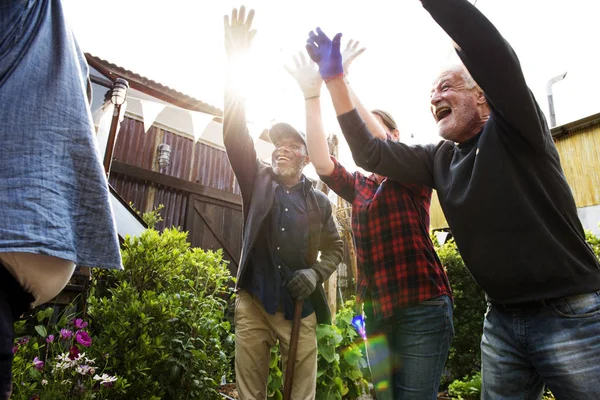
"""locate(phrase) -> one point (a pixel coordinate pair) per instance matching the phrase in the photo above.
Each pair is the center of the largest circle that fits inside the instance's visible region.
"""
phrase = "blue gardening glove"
(303, 283)
(326, 53)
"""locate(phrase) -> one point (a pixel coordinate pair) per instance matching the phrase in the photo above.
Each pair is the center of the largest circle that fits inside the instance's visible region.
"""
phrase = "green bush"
(161, 321)
(594, 242)
(341, 360)
(467, 389)
(464, 358)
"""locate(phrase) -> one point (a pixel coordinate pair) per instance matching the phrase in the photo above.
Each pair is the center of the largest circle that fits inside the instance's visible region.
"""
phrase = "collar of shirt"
(373, 178)
(305, 185)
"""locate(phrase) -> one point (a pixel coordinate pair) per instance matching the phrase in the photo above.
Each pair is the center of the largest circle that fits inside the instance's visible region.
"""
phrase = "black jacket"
(257, 183)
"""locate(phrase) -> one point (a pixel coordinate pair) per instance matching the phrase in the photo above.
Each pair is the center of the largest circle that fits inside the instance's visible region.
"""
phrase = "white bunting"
(199, 123)
(150, 111)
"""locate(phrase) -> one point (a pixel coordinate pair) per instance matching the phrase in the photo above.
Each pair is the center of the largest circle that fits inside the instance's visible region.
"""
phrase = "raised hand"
(307, 75)
(326, 53)
(238, 33)
(350, 53)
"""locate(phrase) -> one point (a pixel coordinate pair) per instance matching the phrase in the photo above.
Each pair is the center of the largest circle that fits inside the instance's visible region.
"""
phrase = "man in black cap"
(286, 224)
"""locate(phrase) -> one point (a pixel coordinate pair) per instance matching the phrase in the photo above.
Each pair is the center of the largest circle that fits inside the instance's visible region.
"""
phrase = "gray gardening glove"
(303, 283)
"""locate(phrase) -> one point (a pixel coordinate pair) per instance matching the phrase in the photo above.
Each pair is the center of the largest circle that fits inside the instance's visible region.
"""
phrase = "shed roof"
(151, 87)
(582, 123)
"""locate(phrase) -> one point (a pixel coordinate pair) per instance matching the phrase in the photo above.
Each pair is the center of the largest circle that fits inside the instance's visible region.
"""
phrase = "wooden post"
(331, 293)
(343, 216)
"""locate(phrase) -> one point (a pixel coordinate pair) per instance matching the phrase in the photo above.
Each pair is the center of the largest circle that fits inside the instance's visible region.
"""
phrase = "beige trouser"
(256, 331)
(42, 276)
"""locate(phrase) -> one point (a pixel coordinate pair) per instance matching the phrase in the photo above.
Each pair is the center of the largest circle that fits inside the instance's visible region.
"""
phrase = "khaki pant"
(256, 332)
(42, 276)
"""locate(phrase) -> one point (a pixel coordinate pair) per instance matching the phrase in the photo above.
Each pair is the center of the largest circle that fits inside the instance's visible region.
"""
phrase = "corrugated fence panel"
(134, 146)
(580, 159)
(211, 168)
(181, 155)
(131, 190)
(175, 203)
(196, 162)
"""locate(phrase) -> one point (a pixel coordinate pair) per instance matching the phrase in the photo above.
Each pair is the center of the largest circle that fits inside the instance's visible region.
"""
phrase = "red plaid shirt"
(398, 266)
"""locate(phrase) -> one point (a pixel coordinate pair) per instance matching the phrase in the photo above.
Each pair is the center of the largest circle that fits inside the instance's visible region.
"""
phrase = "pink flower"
(83, 338)
(38, 364)
(65, 334)
(79, 323)
(50, 339)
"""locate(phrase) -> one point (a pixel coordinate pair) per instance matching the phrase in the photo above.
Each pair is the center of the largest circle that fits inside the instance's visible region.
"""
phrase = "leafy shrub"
(162, 318)
(341, 360)
(464, 357)
(467, 389)
(57, 361)
(594, 242)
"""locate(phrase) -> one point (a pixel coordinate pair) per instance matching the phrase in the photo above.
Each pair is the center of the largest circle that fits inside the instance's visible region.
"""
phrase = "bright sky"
(179, 43)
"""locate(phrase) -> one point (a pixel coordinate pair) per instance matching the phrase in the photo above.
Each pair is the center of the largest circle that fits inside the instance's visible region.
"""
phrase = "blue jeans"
(556, 344)
(407, 351)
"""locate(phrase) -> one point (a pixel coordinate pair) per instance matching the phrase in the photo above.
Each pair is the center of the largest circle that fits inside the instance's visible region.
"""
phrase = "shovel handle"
(291, 361)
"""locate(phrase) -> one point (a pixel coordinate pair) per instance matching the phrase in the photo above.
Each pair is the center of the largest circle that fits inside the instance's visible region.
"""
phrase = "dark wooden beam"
(143, 174)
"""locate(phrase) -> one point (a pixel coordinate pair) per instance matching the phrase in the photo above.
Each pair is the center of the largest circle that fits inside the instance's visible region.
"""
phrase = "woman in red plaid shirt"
(406, 293)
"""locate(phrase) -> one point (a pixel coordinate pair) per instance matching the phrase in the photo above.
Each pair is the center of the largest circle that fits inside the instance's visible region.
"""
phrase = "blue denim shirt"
(281, 249)
(54, 194)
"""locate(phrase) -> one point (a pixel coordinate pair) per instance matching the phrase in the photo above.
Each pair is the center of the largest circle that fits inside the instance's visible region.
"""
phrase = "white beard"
(289, 172)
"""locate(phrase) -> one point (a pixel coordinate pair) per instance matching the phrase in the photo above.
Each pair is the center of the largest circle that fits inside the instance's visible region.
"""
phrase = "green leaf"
(41, 330)
(48, 312)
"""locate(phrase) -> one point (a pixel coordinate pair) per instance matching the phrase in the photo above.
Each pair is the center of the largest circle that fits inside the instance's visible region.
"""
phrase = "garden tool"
(291, 361)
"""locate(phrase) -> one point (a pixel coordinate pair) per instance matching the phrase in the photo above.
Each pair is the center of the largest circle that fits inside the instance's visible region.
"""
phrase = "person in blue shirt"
(55, 201)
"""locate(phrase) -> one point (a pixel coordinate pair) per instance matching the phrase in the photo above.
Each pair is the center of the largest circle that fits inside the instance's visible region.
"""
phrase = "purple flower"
(38, 364)
(65, 334)
(15, 349)
(79, 323)
(83, 338)
(50, 339)
(24, 340)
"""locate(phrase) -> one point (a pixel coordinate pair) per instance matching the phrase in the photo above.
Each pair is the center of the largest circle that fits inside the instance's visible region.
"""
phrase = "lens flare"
(358, 323)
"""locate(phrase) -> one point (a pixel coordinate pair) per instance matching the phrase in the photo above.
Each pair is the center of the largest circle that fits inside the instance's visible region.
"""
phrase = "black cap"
(281, 130)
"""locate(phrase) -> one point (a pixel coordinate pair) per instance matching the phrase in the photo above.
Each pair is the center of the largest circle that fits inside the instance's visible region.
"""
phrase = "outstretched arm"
(405, 164)
(337, 178)
(493, 64)
(237, 139)
(348, 55)
(307, 76)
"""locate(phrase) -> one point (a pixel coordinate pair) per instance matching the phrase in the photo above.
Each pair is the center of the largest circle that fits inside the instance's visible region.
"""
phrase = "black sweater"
(503, 191)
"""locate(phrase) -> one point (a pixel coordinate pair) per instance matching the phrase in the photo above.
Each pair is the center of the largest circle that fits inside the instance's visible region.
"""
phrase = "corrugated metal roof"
(151, 87)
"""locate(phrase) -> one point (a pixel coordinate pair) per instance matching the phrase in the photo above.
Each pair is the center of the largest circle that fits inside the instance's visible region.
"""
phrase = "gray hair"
(468, 79)
(465, 75)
